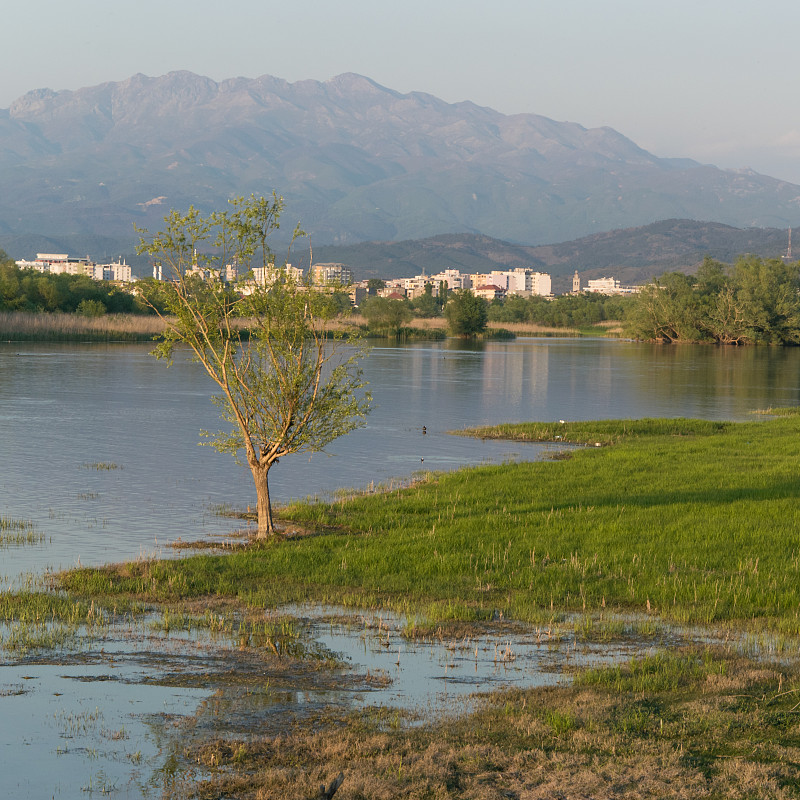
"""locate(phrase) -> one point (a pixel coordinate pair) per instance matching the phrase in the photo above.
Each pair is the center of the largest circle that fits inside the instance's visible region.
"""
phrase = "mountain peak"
(353, 82)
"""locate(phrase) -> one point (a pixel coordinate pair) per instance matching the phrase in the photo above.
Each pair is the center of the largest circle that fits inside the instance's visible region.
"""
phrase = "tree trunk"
(260, 477)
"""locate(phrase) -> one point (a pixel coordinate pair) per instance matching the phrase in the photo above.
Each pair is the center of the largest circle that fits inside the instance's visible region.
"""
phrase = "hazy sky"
(713, 80)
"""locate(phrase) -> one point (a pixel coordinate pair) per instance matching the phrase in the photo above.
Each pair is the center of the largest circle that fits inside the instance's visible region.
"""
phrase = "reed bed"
(532, 329)
(439, 324)
(32, 326)
(26, 326)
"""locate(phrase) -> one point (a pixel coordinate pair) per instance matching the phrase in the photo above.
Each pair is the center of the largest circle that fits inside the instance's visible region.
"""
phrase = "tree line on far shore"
(29, 290)
(756, 301)
(467, 314)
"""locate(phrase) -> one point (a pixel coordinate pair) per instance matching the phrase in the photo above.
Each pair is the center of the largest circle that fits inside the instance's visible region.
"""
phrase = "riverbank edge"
(574, 504)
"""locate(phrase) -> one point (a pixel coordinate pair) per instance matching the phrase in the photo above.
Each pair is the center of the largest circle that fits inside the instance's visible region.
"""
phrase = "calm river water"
(65, 409)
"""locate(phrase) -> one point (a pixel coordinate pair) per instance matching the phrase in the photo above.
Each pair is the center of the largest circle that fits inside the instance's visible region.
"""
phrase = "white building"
(609, 286)
(527, 282)
(113, 272)
(520, 281)
(59, 264)
(265, 276)
(415, 286)
(453, 278)
(63, 264)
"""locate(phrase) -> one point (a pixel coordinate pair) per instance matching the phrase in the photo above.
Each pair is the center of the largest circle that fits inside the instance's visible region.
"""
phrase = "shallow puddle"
(73, 731)
(444, 675)
(113, 714)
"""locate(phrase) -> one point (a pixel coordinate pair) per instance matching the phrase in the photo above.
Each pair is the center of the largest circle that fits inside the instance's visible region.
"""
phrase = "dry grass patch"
(704, 738)
(21, 325)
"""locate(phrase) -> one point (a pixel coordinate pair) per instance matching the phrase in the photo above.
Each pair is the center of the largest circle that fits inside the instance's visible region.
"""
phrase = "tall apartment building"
(516, 281)
(118, 271)
(526, 281)
(332, 273)
(452, 277)
(264, 276)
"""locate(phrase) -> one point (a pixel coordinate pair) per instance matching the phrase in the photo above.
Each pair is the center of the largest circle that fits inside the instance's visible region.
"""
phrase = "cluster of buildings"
(63, 264)
(489, 285)
(494, 285)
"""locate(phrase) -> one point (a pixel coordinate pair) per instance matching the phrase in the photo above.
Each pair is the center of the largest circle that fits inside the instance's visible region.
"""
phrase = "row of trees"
(564, 311)
(757, 301)
(29, 290)
(754, 301)
(466, 314)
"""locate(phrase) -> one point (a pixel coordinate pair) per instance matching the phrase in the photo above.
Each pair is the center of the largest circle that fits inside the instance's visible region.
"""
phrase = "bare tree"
(289, 382)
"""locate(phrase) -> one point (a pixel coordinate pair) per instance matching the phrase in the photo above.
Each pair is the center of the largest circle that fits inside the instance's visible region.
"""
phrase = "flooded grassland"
(216, 701)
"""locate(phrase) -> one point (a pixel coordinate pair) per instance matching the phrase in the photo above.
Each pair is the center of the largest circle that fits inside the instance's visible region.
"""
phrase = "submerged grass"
(780, 411)
(18, 532)
(102, 466)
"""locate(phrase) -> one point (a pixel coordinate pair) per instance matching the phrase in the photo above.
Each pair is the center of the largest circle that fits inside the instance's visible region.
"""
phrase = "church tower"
(576, 283)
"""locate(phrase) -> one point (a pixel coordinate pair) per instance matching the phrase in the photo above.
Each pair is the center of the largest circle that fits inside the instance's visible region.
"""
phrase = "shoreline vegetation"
(27, 326)
(64, 327)
(668, 522)
(755, 301)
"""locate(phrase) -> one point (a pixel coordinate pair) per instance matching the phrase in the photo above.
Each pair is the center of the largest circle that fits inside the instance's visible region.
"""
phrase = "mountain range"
(354, 160)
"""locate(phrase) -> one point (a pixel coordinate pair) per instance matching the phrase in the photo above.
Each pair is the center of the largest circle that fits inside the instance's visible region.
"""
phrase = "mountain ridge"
(356, 162)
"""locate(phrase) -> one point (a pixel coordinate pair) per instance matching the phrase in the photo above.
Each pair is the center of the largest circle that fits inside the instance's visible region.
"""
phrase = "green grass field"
(698, 522)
